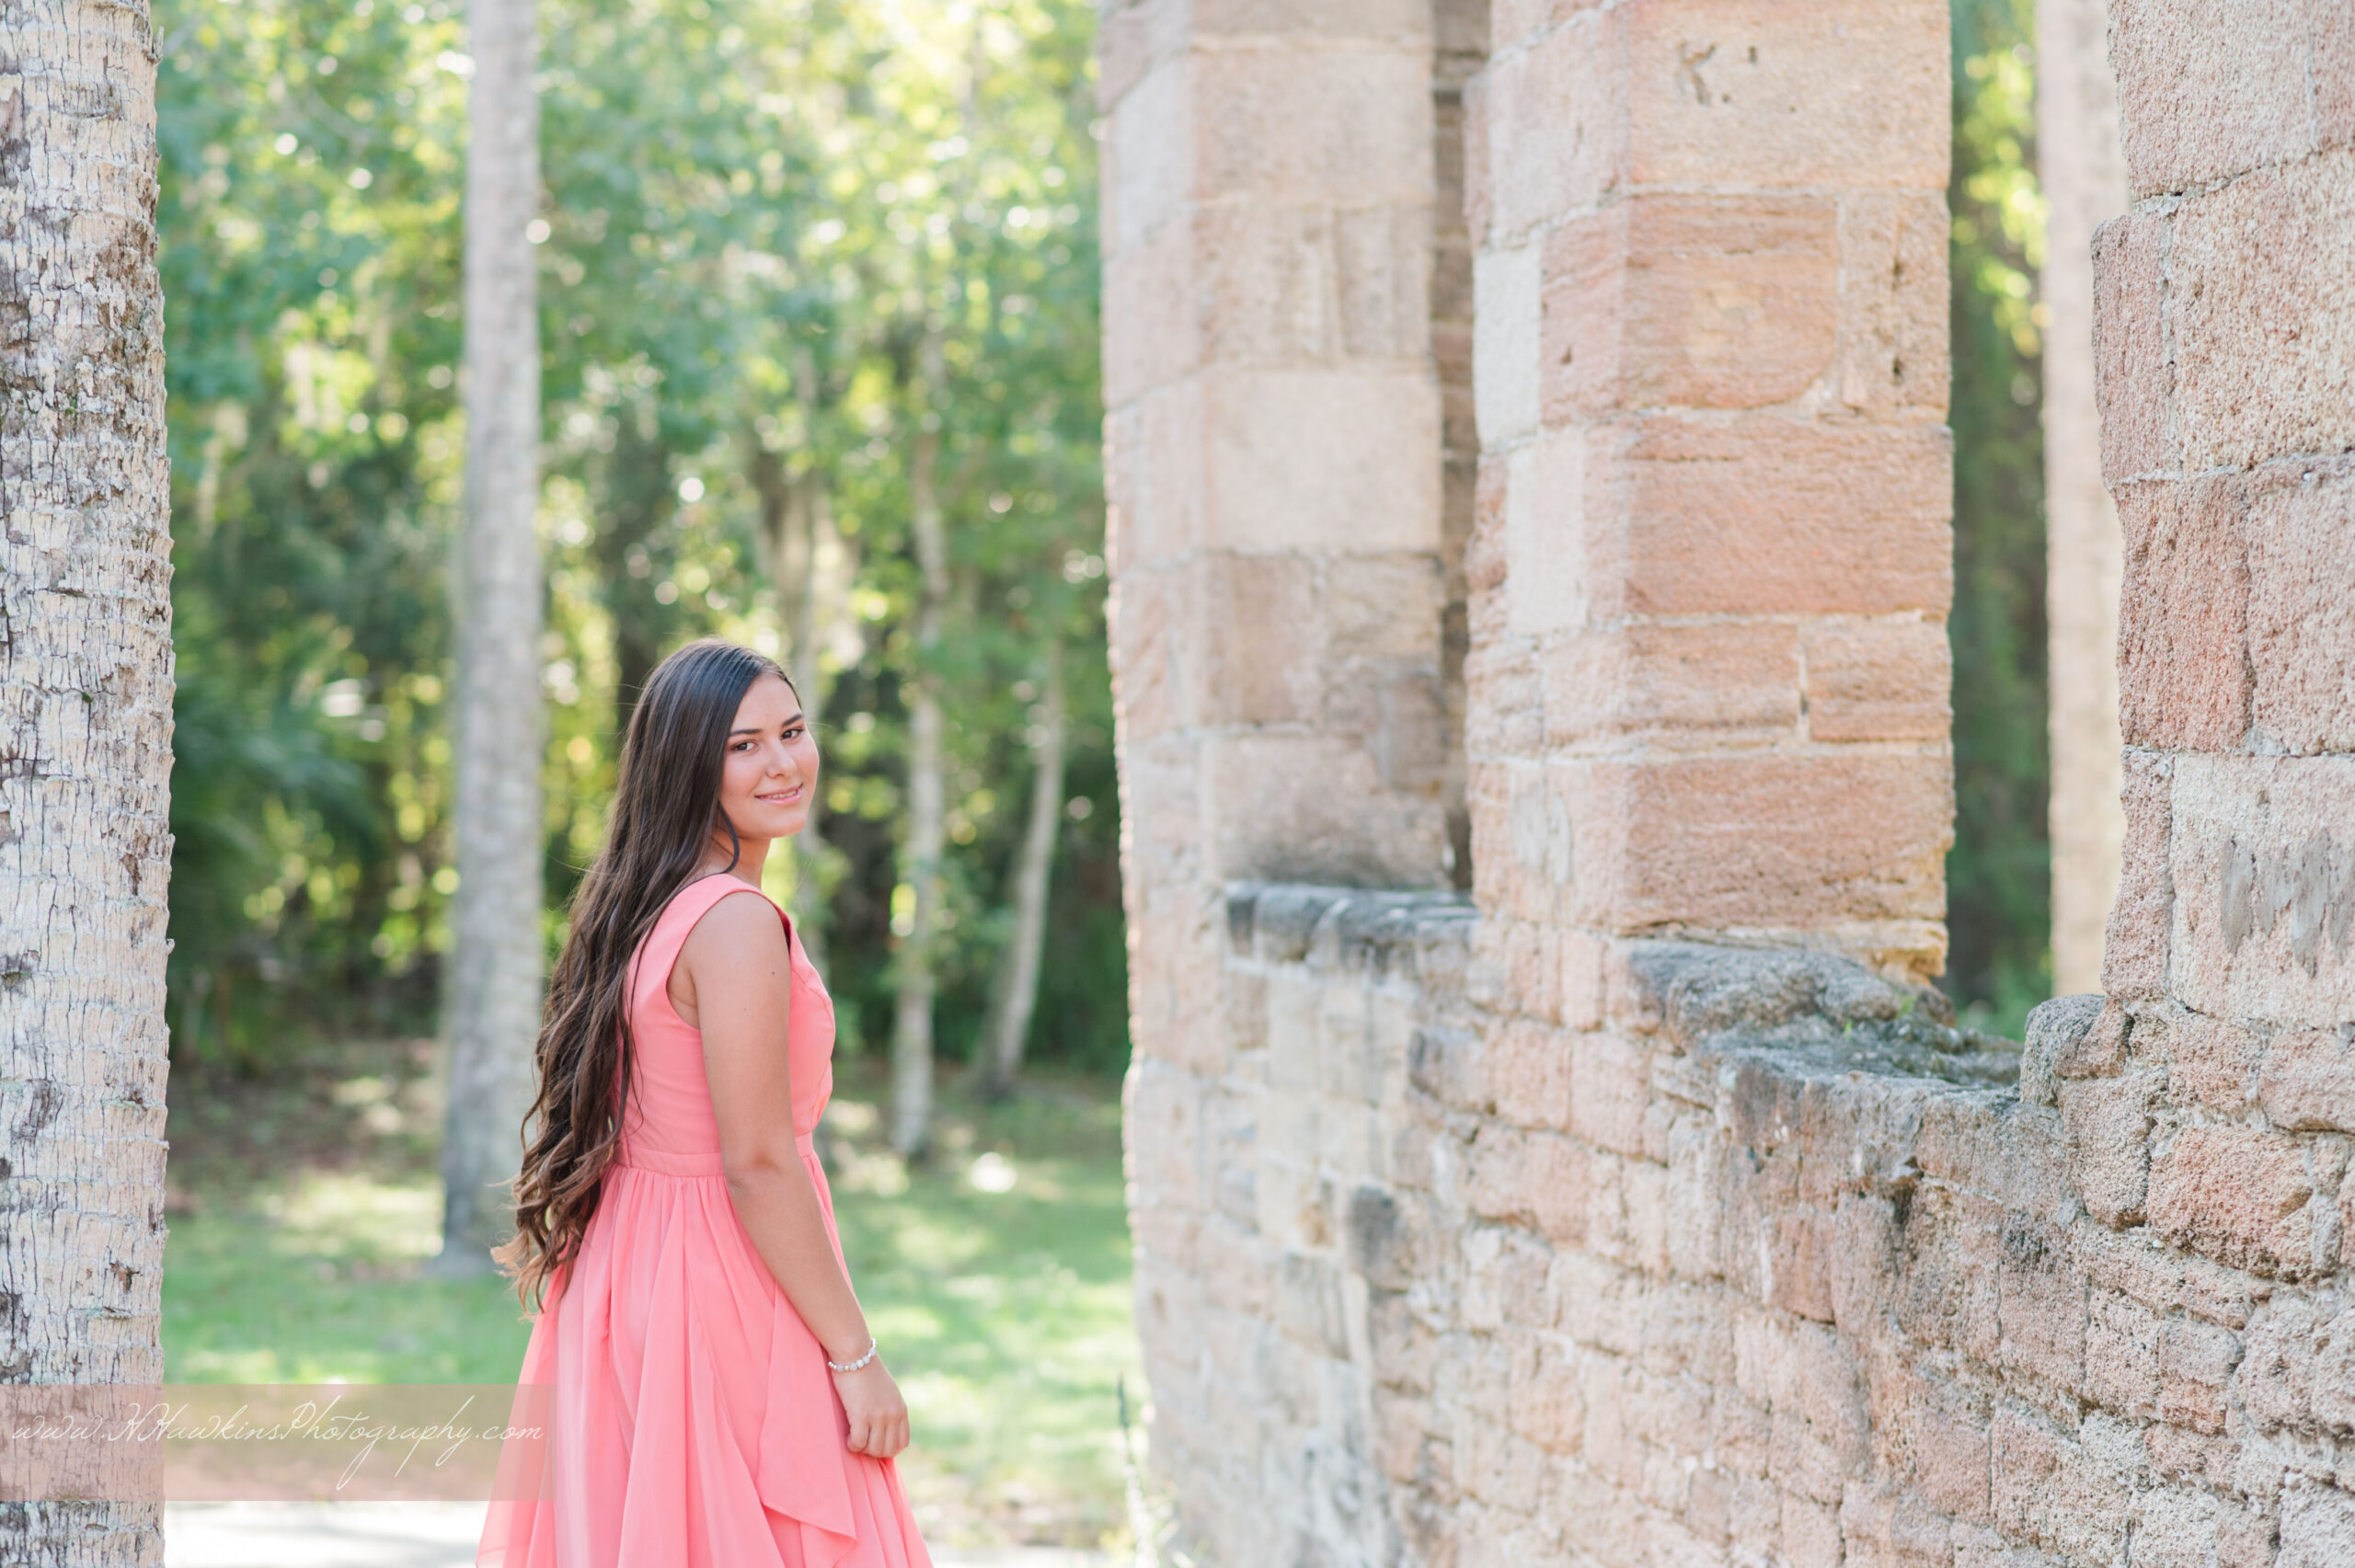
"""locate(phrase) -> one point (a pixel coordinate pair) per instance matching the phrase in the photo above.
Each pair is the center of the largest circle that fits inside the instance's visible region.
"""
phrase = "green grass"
(321, 1282)
(997, 1276)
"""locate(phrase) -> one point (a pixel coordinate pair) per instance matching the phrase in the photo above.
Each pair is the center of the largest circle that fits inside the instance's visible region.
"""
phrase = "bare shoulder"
(741, 928)
(738, 950)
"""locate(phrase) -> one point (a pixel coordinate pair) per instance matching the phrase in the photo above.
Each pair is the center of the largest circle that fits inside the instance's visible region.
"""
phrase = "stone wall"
(1641, 1208)
(2083, 176)
(1274, 463)
(1778, 1269)
(1273, 435)
(1711, 561)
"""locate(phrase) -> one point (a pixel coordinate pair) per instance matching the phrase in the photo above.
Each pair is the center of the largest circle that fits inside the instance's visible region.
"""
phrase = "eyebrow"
(756, 728)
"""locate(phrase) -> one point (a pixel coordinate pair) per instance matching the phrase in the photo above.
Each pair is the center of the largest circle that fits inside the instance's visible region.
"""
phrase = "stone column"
(1274, 469)
(1712, 565)
(2084, 175)
(1274, 436)
(2225, 322)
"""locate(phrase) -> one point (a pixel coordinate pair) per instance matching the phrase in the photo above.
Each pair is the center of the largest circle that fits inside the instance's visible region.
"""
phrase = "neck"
(752, 854)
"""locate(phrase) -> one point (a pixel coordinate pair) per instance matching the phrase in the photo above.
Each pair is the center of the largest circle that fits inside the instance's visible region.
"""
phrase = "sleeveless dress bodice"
(695, 1423)
(667, 1121)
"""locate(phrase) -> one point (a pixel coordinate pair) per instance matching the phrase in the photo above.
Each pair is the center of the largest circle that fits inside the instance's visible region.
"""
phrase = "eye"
(742, 746)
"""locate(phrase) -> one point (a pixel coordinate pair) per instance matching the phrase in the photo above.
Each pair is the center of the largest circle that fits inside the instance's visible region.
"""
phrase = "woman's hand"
(878, 1416)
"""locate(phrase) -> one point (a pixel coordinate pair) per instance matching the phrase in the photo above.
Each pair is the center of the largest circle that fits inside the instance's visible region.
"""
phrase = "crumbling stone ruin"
(1531, 545)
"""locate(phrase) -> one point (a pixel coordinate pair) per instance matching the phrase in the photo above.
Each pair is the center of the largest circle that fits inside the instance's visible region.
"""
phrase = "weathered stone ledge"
(1818, 1010)
(1282, 922)
(1814, 1010)
(1758, 1254)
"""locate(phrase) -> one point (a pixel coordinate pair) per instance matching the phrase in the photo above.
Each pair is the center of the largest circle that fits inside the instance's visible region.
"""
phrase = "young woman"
(718, 1399)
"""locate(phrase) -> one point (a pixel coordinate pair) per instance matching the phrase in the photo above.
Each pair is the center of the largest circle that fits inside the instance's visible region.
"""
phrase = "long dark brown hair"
(666, 807)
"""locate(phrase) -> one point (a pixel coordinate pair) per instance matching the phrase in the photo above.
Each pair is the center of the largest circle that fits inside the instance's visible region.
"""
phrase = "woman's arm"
(734, 981)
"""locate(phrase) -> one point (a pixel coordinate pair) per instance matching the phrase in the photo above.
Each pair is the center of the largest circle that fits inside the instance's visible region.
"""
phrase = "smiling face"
(770, 772)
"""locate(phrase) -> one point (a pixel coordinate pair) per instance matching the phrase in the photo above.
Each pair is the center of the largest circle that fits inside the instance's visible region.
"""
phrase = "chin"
(776, 823)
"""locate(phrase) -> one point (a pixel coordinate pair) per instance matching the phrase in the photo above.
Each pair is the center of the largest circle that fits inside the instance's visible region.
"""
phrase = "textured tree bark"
(2084, 182)
(1017, 995)
(86, 732)
(497, 955)
(927, 795)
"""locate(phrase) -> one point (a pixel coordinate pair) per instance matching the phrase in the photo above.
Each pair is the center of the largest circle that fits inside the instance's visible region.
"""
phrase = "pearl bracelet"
(854, 1366)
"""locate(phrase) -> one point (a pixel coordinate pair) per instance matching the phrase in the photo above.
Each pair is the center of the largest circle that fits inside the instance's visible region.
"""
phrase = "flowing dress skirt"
(696, 1424)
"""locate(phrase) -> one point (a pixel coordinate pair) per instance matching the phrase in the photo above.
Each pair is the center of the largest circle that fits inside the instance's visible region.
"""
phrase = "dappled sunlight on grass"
(336, 1214)
(997, 1276)
(326, 1280)
(1003, 1307)
(304, 1214)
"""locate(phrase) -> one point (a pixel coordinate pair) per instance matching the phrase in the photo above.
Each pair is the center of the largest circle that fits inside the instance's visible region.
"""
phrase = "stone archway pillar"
(1711, 561)
(1274, 439)
(2224, 347)
(1274, 454)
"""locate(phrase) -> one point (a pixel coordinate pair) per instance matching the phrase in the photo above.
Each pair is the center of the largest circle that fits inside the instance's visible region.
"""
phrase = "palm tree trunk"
(86, 729)
(497, 954)
(1017, 992)
(912, 1063)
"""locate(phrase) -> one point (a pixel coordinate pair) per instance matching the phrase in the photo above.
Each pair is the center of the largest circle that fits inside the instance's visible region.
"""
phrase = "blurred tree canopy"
(1999, 874)
(755, 215)
(752, 216)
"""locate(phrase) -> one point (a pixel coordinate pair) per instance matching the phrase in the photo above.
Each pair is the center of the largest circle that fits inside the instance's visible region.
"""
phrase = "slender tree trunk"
(496, 957)
(928, 794)
(2084, 174)
(638, 500)
(822, 597)
(788, 552)
(86, 733)
(809, 564)
(1017, 992)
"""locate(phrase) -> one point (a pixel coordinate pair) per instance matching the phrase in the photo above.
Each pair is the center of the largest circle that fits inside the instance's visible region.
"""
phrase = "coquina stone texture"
(1639, 1204)
(1753, 1258)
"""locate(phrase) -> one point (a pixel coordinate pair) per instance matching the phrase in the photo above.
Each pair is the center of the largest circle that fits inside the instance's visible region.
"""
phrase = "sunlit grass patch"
(997, 1276)
(1003, 1307)
(326, 1280)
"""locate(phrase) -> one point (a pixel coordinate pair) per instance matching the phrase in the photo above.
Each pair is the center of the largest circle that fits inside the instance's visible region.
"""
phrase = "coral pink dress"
(695, 1423)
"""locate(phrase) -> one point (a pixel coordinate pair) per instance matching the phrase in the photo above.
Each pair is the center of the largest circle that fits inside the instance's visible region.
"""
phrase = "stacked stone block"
(1274, 1389)
(1791, 1275)
(1710, 570)
(1643, 1209)
(2211, 1104)
(1273, 451)
(1278, 435)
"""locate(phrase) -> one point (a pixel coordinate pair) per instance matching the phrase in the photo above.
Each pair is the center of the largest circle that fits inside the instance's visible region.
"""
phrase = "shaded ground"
(997, 1277)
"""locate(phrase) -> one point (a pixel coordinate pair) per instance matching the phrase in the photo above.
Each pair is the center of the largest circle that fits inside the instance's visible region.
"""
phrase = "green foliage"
(1999, 873)
(751, 228)
(309, 154)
